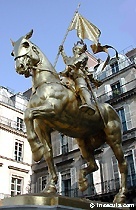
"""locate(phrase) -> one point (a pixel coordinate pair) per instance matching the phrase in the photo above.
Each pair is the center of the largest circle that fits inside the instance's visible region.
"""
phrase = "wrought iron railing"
(118, 66)
(109, 186)
(124, 89)
(12, 124)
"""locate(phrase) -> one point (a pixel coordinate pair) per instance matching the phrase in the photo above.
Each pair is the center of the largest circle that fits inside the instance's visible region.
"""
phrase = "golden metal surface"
(55, 200)
(55, 106)
(46, 199)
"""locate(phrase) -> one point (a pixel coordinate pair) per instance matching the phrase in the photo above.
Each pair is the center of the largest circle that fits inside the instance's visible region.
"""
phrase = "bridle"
(28, 67)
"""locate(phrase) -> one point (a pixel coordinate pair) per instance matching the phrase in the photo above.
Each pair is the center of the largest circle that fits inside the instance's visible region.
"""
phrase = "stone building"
(118, 89)
(15, 153)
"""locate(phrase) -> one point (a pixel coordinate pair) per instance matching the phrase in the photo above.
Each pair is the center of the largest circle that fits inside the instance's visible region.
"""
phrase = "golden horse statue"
(53, 106)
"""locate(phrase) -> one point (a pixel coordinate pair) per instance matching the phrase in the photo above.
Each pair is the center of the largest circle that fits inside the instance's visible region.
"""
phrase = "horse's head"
(26, 55)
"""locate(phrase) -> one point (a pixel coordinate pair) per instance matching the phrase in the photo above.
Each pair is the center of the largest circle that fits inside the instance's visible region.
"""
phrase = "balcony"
(12, 124)
(129, 134)
(125, 91)
(116, 66)
(109, 187)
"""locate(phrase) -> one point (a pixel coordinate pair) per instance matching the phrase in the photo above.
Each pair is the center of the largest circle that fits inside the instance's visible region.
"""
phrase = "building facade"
(15, 152)
(119, 90)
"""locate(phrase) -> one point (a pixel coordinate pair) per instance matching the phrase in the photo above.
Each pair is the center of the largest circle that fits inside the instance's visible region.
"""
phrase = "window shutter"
(128, 117)
(97, 179)
(123, 85)
(59, 183)
(36, 187)
(70, 143)
(108, 71)
(39, 183)
(134, 155)
(115, 173)
(56, 144)
(73, 177)
(108, 90)
(74, 142)
(73, 182)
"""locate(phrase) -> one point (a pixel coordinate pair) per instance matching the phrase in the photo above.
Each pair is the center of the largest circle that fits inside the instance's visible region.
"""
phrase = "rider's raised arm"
(64, 56)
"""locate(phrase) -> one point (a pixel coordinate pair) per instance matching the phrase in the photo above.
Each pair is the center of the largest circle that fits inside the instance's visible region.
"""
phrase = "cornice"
(119, 72)
(122, 97)
(18, 169)
(12, 130)
(11, 107)
(10, 159)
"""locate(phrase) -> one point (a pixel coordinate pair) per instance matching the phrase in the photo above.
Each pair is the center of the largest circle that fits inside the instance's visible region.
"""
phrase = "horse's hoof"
(38, 153)
(119, 198)
(50, 189)
(83, 185)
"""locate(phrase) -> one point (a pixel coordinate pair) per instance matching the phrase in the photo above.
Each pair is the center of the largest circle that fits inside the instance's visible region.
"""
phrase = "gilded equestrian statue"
(54, 106)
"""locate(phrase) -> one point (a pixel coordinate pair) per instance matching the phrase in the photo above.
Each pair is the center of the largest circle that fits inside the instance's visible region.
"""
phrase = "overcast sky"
(50, 19)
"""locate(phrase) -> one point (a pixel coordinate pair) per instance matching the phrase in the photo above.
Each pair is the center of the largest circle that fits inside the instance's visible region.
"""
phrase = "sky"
(50, 19)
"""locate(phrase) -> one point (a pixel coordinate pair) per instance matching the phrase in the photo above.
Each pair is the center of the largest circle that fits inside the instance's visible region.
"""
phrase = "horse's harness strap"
(44, 82)
(34, 67)
(19, 56)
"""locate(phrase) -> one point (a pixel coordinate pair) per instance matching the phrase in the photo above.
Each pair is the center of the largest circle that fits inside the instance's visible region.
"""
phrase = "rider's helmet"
(79, 47)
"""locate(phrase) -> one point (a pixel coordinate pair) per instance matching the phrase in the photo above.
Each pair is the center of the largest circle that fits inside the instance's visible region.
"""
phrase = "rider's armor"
(75, 66)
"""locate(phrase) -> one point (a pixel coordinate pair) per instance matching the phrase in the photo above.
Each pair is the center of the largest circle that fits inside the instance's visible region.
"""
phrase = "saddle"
(70, 84)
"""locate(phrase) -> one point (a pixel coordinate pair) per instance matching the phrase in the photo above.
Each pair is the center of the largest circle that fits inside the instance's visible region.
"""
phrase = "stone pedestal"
(51, 202)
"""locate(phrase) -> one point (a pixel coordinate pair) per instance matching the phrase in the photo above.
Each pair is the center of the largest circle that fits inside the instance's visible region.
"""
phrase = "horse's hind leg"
(87, 154)
(114, 139)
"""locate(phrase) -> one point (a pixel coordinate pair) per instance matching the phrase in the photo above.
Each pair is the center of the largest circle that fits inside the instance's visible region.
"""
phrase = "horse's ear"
(28, 35)
(12, 42)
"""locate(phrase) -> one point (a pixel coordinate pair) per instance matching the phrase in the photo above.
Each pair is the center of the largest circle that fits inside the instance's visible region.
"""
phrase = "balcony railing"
(119, 65)
(109, 186)
(127, 88)
(12, 124)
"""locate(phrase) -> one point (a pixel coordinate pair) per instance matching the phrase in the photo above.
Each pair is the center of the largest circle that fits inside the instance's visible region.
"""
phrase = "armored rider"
(76, 68)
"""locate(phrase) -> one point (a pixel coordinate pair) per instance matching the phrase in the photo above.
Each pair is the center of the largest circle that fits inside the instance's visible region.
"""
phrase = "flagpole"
(66, 35)
(95, 100)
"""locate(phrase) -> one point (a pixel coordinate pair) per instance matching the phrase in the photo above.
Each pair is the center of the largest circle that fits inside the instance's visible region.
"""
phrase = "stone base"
(44, 201)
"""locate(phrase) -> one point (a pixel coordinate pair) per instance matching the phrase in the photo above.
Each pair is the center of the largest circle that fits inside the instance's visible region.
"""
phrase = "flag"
(85, 29)
(99, 48)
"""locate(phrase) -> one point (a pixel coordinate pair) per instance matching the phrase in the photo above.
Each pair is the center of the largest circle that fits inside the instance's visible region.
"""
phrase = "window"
(128, 116)
(19, 124)
(116, 89)
(114, 67)
(66, 184)
(131, 179)
(16, 186)
(41, 183)
(64, 144)
(121, 114)
(18, 150)
(115, 173)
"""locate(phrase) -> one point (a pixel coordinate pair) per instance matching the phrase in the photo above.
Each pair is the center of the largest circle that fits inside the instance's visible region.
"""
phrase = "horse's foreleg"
(36, 146)
(44, 149)
(91, 164)
(44, 134)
